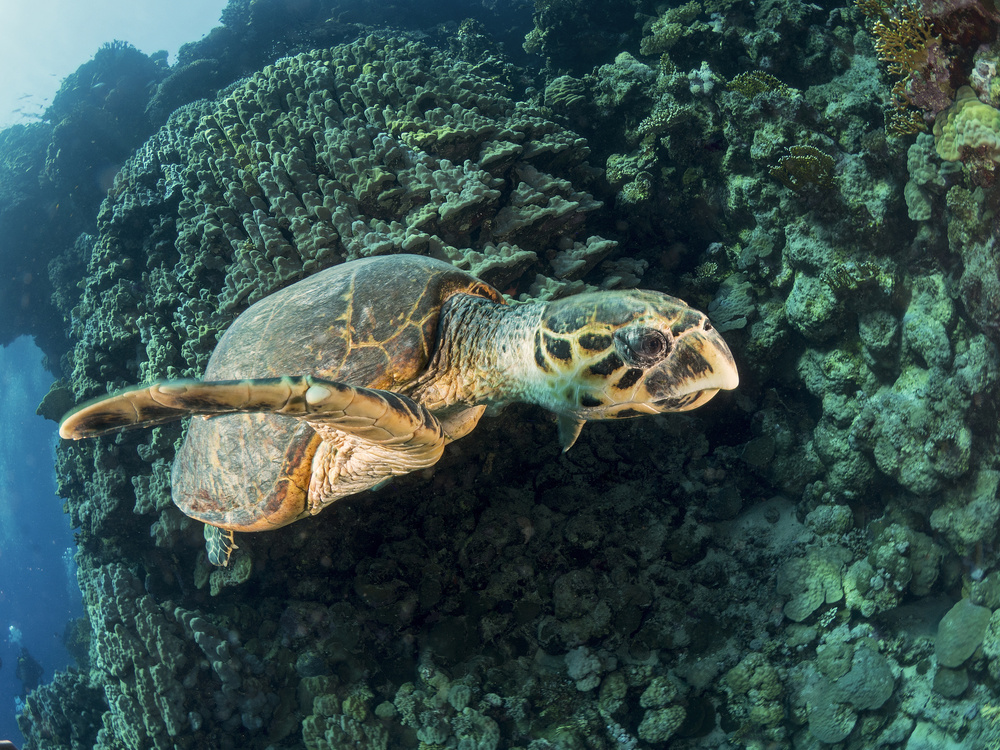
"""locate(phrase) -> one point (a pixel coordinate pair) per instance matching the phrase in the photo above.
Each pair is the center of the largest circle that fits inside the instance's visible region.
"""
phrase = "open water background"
(38, 594)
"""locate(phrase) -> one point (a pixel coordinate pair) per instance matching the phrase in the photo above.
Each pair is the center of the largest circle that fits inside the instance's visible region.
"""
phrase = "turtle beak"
(719, 362)
(700, 366)
(687, 402)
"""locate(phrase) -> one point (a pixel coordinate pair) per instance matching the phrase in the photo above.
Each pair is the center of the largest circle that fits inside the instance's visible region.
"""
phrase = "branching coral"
(901, 36)
(905, 40)
(756, 82)
(666, 30)
(803, 166)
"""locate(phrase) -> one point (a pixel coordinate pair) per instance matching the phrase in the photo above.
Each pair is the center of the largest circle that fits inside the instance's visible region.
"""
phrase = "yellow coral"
(967, 124)
(902, 36)
(756, 82)
(905, 121)
(802, 166)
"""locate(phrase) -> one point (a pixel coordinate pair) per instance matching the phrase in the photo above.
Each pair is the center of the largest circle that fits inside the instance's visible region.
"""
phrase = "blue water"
(38, 596)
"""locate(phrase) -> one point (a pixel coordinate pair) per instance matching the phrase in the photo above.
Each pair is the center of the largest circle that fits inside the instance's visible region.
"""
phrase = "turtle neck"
(483, 353)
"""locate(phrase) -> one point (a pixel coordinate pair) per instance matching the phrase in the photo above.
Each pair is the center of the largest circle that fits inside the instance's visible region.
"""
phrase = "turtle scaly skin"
(367, 370)
(602, 355)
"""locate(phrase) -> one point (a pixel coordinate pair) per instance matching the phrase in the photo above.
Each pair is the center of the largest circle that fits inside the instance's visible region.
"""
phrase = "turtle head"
(619, 354)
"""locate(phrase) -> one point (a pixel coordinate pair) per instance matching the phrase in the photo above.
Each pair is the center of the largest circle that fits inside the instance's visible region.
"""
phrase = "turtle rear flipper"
(219, 545)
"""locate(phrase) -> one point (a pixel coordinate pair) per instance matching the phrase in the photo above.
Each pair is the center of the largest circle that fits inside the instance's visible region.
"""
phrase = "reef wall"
(808, 561)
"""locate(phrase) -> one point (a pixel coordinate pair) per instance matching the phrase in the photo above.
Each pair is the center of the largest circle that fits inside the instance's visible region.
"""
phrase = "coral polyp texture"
(968, 128)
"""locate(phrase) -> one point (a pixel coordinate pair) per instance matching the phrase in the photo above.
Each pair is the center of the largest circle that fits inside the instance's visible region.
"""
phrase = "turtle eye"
(642, 347)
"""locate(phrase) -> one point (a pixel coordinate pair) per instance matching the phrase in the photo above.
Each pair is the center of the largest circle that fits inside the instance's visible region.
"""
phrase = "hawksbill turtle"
(367, 370)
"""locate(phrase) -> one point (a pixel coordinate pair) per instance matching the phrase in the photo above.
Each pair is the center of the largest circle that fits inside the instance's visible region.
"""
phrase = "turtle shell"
(371, 322)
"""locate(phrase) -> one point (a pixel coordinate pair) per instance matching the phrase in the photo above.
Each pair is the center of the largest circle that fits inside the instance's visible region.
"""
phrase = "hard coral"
(968, 124)
(812, 581)
(756, 82)
(905, 40)
(666, 30)
(970, 131)
(803, 166)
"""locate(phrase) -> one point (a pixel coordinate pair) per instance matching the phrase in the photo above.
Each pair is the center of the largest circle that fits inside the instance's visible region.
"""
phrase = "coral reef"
(969, 130)
(809, 562)
(905, 40)
(276, 181)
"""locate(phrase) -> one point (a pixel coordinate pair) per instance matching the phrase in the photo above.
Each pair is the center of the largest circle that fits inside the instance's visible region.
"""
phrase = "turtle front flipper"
(170, 400)
(140, 406)
(369, 415)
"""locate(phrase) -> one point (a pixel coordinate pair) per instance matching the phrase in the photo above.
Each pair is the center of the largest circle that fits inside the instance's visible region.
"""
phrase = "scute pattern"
(330, 319)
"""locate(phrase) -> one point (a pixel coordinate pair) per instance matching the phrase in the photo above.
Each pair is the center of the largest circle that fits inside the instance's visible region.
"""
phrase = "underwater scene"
(528, 374)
